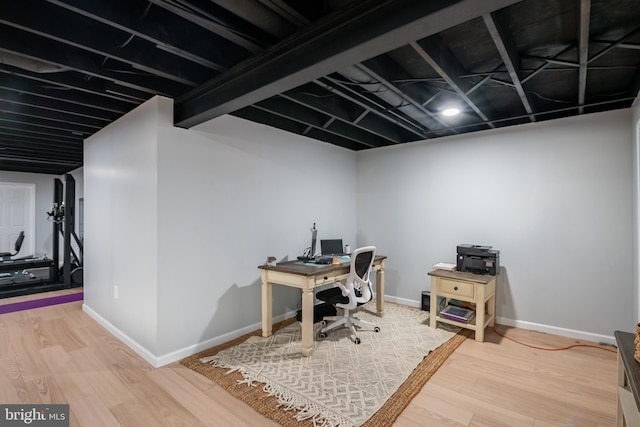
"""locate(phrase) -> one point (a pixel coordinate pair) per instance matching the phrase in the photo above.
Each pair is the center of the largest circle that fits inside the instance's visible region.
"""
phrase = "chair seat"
(332, 296)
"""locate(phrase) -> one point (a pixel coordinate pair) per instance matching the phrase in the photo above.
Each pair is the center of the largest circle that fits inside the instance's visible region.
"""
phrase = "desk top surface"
(462, 275)
(306, 269)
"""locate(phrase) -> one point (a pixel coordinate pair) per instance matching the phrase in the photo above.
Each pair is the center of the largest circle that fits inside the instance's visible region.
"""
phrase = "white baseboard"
(564, 332)
(174, 356)
(132, 344)
(180, 354)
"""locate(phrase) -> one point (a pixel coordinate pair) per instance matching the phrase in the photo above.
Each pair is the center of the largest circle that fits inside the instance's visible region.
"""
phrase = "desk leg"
(433, 303)
(380, 290)
(307, 321)
(267, 306)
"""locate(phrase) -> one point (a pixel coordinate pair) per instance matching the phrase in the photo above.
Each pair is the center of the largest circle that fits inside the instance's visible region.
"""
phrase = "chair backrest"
(19, 241)
(361, 263)
(6, 256)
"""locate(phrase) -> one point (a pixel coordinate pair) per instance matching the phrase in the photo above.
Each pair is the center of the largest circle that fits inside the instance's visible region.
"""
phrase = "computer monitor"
(314, 239)
(331, 247)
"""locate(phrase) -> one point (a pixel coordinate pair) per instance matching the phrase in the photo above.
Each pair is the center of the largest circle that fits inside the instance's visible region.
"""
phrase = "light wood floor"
(59, 354)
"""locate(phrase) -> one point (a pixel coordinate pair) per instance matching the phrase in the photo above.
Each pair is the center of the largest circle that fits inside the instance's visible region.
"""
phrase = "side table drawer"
(455, 288)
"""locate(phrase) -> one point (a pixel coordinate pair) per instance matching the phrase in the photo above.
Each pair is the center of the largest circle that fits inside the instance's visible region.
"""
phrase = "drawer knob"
(455, 288)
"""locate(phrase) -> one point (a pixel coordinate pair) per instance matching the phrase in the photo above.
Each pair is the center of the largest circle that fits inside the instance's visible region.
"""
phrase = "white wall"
(121, 225)
(232, 193)
(180, 219)
(554, 197)
(635, 131)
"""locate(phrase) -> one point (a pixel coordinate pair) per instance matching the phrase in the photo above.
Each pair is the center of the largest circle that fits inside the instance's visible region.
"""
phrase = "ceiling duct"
(29, 64)
(400, 103)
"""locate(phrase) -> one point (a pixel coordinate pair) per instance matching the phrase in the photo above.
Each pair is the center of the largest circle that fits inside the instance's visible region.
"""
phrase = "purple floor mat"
(28, 305)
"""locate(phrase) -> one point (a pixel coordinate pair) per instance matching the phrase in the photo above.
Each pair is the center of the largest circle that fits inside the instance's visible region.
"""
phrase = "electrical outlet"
(115, 292)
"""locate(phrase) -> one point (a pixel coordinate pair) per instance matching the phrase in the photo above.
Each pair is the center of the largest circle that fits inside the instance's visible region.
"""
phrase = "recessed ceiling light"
(451, 112)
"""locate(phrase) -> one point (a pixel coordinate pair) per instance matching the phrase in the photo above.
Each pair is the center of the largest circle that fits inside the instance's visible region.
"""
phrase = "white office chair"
(354, 292)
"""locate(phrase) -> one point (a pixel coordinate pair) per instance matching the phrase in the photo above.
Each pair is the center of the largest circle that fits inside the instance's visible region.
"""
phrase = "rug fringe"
(286, 400)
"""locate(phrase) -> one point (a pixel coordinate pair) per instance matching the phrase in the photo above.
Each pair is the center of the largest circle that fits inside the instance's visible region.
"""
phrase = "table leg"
(491, 309)
(480, 313)
(433, 303)
(307, 322)
(380, 290)
(267, 306)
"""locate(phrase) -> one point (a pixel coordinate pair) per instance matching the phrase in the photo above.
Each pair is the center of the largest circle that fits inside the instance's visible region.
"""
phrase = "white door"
(17, 213)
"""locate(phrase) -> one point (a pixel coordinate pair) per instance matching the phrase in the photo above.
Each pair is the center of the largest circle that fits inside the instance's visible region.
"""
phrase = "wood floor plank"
(106, 384)
(210, 412)
(91, 411)
(218, 394)
(158, 400)
(59, 354)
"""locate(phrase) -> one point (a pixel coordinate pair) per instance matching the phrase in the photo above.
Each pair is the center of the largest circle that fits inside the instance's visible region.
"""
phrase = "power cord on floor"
(600, 347)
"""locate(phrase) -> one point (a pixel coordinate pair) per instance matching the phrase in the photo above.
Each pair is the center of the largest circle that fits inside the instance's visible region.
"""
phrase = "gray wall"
(179, 220)
(554, 197)
(635, 130)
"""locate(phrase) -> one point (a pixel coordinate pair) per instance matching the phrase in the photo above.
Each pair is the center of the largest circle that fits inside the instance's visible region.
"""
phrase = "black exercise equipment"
(18, 245)
(62, 215)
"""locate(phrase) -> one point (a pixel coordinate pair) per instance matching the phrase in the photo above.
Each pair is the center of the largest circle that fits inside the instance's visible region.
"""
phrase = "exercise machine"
(62, 215)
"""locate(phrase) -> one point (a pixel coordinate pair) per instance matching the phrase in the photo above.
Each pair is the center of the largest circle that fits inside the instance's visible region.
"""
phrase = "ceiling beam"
(198, 45)
(372, 105)
(614, 44)
(583, 51)
(67, 57)
(77, 82)
(24, 86)
(72, 129)
(253, 46)
(101, 39)
(433, 51)
(21, 98)
(340, 112)
(507, 50)
(285, 108)
(362, 31)
(41, 113)
(378, 72)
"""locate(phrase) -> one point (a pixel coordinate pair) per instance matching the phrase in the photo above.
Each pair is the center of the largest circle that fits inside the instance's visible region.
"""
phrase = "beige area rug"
(341, 383)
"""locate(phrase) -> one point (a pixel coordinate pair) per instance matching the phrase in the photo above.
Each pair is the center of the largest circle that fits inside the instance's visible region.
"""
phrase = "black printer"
(478, 259)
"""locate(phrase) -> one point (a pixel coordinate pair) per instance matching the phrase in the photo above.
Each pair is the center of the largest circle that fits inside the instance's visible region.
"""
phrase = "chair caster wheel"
(357, 340)
(376, 329)
(323, 335)
(323, 323)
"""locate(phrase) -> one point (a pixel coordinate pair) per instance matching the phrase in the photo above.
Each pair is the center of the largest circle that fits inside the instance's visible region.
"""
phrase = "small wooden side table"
(479, 289)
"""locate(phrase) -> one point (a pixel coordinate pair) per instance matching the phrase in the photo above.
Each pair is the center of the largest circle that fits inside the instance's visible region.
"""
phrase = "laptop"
(331, 247)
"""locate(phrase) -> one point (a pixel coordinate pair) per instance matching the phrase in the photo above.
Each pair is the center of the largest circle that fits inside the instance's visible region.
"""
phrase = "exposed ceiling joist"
(360, 32)
(358, 74)
(509, 56)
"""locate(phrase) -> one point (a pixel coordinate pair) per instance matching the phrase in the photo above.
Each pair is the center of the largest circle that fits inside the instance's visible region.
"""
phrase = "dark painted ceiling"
(357, 74)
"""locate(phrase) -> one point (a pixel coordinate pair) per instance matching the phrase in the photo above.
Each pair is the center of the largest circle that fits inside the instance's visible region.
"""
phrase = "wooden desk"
(628, 381)
(308, 277)
(479, 289)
